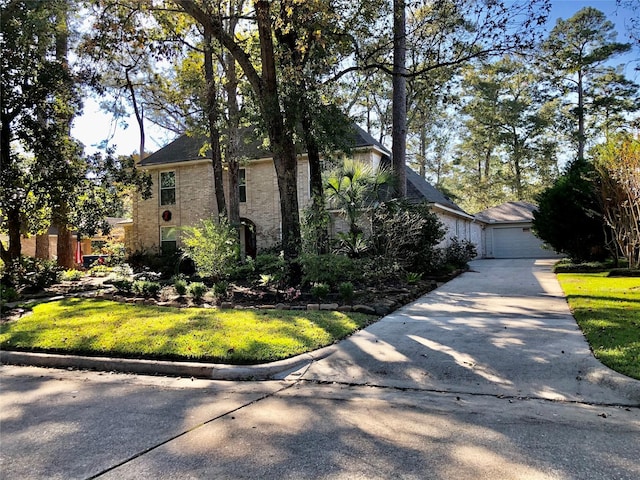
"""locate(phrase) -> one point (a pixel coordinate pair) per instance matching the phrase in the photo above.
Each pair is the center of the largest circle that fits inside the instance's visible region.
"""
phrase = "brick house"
(183, 194)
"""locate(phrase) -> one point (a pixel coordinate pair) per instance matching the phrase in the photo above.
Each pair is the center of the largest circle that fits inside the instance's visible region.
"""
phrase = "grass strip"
(607, 310)
(102, 327)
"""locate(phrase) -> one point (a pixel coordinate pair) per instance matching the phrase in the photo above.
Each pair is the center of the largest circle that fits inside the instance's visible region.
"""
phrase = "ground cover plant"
(607, 309)
(102, 327)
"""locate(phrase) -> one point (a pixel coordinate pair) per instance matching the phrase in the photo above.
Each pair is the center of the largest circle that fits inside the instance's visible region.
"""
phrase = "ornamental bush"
(213, 247)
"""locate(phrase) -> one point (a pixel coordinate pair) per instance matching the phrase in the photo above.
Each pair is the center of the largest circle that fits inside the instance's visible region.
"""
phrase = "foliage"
(146, 288)
(220, 288)
(407, 234)
(569, 216)
(180, 284)
(71, 275)
(607, 311)
(320, 290)
(329, 268)
(618, 165)
(353, 188)
(271, 268)
(8, 294)
(459, 252)
(123, 285)
(101, 327)
(167, 264)
(346, 291)
(98, 270)
(197, 290)
(213, 247)
(413, 278)
(30, 273)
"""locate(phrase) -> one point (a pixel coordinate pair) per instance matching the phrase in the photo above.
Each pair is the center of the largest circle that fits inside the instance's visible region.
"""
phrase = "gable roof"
(418, 189)
(508, 212)
(187, 148)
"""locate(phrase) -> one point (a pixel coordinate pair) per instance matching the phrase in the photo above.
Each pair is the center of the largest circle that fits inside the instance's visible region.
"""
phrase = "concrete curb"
(211, 371)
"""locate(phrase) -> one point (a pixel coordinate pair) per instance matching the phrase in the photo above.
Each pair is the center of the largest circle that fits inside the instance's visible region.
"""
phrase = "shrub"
(146, 288)
(220, 288)
(197, 290)
(213, 247)
(459, 252)
(8, 294)
(569, 215)
(123, 285)
(413, 278)
(180, 285)
(271, 269)
(166, 264)
(320, 290)
(31, 273)
(71, 275)
(346, 291)
(100, 270)
(407, 234)
(624, 272)
(329, 268)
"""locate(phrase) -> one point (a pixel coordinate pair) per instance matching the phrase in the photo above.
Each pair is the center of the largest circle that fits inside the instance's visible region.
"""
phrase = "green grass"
(608, 312)
(101, 327)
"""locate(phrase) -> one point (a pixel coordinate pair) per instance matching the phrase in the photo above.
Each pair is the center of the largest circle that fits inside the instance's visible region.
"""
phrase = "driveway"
(503, 328)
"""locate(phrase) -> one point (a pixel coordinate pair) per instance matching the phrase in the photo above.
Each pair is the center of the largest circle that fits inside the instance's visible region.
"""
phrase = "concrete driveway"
(503, 328)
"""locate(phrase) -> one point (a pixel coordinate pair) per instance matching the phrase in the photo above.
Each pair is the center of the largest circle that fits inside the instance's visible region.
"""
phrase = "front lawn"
(102, 327)
(607, 310)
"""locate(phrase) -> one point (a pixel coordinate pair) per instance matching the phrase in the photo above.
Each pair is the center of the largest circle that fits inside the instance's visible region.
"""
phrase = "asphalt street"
(487, 377)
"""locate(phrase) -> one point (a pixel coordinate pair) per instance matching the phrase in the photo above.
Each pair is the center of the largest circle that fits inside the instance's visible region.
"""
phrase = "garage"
(517, 242)
(507, 232)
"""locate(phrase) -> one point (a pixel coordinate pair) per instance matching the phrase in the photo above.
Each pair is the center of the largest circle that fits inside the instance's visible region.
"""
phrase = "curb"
(212, 371)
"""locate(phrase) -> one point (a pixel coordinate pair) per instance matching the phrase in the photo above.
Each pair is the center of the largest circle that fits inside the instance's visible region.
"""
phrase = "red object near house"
(78, 252)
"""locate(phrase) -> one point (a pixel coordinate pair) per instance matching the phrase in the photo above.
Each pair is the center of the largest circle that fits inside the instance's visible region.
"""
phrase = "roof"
(187, 148)
(418, 189)
(509, 212)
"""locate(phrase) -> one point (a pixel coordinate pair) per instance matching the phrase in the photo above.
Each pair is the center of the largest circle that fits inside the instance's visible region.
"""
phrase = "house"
(183, 194)
(506, 232)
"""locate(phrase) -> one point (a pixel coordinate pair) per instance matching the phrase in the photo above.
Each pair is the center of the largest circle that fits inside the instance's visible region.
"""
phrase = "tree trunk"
(213, 115)
(399, 130)
(64, 248)
(42, 246)
(13, 225)
(581, 137)
(315, 180)
(284, 152)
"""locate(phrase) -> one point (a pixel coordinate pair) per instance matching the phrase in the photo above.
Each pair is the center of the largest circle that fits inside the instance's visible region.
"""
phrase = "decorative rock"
(282, 306)
(345, 308)
(366, 309)
(313, 306)
(268, 307)
(226, 305)
(382, 310)
(328, 306)
(298, 307)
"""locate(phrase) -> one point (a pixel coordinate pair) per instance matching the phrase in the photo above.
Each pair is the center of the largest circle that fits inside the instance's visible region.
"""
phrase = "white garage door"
(518, 242)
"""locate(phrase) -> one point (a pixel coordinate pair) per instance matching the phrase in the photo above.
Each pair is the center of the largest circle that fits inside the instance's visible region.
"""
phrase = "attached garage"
(507, 232)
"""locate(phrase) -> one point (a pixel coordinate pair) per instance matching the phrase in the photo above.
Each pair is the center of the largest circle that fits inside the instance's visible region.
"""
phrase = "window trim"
(242, 185)
(161, 188)
(172, 231)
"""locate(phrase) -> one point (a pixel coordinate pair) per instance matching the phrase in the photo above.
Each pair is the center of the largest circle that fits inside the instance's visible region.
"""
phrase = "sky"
(94, 126)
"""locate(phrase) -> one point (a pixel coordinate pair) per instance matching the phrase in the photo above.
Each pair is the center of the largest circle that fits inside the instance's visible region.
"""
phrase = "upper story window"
(242, 185)
(167, 188)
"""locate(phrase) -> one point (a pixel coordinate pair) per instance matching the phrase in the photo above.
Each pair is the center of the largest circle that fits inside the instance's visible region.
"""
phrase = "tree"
(39, 97)
(569, 215)
(573, 56)
(505, 148)
(618, 165)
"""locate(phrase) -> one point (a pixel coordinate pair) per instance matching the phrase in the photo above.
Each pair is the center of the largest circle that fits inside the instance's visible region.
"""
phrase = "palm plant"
(353, 188)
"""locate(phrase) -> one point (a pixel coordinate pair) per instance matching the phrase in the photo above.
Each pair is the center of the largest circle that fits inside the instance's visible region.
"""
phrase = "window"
(168, 240)
(167, 188)
(242, 185)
